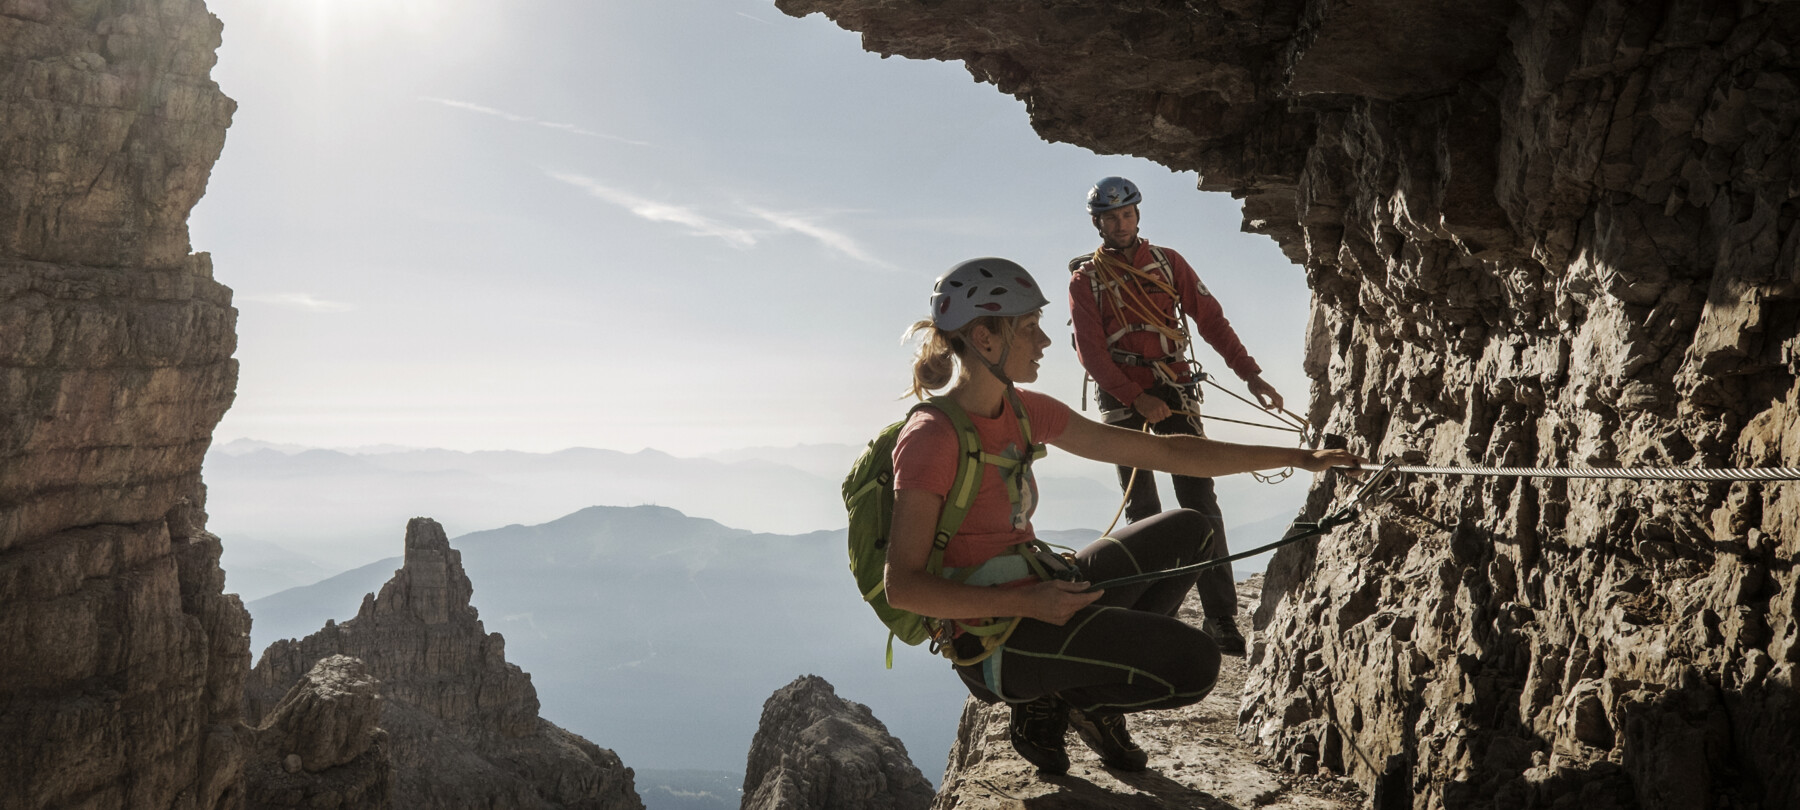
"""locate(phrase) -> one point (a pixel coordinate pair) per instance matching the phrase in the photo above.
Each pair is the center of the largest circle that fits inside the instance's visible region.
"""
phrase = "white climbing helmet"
(1110, 193)
(985, 286)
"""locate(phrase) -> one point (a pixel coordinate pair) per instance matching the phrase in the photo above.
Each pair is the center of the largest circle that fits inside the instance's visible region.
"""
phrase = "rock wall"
(814, 749)
(462, 723)
(1537, 233)
(124, 663)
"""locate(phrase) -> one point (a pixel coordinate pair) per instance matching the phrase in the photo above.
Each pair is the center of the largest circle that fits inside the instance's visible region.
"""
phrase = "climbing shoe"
(1105, 733)
(1224, 633)
(1036, 731)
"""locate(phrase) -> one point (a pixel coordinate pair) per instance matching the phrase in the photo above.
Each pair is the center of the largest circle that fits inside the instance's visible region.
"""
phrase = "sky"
(689, 225)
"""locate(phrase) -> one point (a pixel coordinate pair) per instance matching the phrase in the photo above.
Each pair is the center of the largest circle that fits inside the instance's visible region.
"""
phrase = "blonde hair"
(940, 352)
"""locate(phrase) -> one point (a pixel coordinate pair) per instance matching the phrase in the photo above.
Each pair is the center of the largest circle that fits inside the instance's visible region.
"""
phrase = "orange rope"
(1109, 271)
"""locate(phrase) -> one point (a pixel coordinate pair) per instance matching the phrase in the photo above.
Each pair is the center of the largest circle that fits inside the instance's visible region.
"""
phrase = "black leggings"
(1125, 652)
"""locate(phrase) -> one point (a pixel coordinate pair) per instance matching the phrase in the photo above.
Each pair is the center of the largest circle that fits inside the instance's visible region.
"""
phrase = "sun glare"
(335, 21)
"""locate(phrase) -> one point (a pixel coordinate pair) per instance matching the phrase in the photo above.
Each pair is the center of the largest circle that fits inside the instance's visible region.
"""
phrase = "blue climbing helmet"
(985, 286)
(1110, 193)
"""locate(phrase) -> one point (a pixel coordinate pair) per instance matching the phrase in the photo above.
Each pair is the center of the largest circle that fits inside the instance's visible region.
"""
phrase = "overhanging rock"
(1537, 234)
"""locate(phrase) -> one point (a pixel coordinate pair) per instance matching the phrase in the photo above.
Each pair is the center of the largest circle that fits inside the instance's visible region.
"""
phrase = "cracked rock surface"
(1537, 233)
(123, 662)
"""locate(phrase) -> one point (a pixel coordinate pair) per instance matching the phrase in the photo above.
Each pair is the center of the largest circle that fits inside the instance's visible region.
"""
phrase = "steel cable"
(1617, 473)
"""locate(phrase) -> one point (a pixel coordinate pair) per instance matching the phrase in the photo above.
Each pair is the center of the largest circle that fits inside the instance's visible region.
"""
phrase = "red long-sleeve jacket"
(1095, 323)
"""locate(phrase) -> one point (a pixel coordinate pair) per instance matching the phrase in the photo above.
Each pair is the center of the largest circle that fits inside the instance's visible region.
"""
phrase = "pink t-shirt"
(925, 457)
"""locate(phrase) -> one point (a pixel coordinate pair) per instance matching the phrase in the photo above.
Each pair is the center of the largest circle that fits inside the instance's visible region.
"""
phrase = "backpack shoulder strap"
(970, 458)
(964, 486)
(1032, 451)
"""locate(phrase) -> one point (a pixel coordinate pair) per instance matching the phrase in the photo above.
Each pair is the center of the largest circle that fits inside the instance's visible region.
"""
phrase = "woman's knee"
(1178, 535)
(1191, 680)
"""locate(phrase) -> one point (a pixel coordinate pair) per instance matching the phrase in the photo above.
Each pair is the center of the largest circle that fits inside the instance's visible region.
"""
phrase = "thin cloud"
(303, 302)
(836, 240)
(697, 223)
(471, 106)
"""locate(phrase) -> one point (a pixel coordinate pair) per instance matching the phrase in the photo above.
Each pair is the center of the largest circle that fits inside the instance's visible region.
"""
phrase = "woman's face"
(1028, 345)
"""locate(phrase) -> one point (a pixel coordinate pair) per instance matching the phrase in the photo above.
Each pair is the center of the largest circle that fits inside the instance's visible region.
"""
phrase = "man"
(1130, 303)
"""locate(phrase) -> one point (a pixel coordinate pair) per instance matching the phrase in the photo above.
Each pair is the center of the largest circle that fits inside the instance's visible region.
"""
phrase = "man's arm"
(1209, 318)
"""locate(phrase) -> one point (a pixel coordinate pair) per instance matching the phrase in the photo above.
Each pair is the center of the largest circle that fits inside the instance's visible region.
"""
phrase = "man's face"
(1118, 227)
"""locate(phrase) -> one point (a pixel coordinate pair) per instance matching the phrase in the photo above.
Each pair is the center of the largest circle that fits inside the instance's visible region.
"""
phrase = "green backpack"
(869, 496)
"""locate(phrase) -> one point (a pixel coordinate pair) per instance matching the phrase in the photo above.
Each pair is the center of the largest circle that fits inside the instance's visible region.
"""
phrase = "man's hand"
(1151, 407)
(1264, 392)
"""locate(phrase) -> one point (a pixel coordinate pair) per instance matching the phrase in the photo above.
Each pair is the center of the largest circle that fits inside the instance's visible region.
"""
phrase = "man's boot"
(1036, 730)
(1105, 733)
(1225, 633)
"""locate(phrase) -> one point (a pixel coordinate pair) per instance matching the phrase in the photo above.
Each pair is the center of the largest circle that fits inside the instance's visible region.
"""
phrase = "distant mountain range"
(689, 789)
(337, 509)
(294, 515)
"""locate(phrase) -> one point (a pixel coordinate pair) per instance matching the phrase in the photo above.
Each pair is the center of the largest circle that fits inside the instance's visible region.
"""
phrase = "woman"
(1071, 657)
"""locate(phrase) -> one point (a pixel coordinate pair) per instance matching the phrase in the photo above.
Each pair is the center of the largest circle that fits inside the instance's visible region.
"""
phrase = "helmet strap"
(995, 368)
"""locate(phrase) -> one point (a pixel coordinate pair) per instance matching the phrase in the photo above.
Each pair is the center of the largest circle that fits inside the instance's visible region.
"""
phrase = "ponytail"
(935, 363)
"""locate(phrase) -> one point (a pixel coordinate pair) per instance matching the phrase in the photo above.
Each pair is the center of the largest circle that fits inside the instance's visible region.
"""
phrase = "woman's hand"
(1056, 601)
(1321, 460)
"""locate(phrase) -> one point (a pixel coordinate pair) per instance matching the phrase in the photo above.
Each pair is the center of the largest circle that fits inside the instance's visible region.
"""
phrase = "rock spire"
(814, 749)
(462, 723)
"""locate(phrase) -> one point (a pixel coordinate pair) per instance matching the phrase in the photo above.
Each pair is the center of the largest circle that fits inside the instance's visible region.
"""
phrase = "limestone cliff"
(1542, 232)
(814, 749)
(462, 723)
(124, 663)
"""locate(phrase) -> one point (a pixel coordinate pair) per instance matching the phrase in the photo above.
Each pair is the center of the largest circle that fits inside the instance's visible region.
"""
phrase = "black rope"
(1308, 529)
(1376, 488)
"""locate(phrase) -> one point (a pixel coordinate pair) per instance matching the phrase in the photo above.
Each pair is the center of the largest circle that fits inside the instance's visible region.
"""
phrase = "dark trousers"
(1216, 587)
(1126, 651)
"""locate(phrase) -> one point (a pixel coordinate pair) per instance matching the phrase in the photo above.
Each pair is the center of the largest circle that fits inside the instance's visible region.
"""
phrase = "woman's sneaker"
(1105, 732)
(1037, 730)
